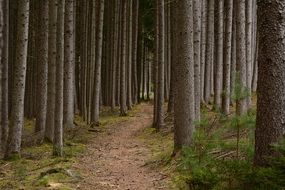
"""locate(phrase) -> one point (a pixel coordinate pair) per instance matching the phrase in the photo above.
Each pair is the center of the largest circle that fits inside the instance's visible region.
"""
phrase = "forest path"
(115, 160)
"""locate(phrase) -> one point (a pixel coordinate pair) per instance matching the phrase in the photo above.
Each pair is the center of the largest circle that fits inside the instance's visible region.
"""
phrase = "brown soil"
(115, 160)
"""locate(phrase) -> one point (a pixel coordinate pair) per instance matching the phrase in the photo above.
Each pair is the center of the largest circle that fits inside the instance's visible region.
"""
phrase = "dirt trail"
(116, 159)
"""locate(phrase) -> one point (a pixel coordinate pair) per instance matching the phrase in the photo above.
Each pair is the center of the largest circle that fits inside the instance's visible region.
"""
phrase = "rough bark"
(209, 50)
(218, 63)
(58, 120)
(5, 60)
(161, 63)
(18, 89)
(98, 61)
(241, 58)
(197, 56)
(270, 126)
(69, 55)
(227, 57)
(123, 106)
(184, 100)
(51, 70)
(42, 69)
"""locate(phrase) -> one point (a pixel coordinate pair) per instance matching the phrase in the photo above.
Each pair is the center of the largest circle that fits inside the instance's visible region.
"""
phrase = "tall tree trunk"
(161, 63)
(129, 58)
(135, 49)
(42, 61)
(271, 80)
(209, 50)
(248, 42)
(218, 63)
(58, 120)
(233, 53)
(197, 56)
(123, 106)
(227, 57)
(99, 41)
(241, 58)
(51, 70)
(2, 28)
(18, 91)
(204, 30)
(69, 56)
(184, 100)
(5, 60)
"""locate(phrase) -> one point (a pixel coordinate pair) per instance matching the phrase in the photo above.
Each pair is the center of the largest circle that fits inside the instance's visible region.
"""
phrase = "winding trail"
(115, 160)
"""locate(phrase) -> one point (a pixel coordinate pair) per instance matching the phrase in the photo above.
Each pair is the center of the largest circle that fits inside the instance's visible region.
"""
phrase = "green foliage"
(209, 164)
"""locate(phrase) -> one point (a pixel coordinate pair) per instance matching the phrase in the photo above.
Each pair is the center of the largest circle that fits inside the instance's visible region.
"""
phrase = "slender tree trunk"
(58, 120)
(227, 57)
(204, 9)
(197, 56)
(69, 55)
(18, 90)
(209, 50)
(173, 60)
(42, 61)
(129, 58)
(218, 64)
(233, 53)
(135, 49)
(123, 106)
(161, 63)
(241, 57)
(51, 70)
(5, 60)
(2, 28)
(248, 42)
(99, 41)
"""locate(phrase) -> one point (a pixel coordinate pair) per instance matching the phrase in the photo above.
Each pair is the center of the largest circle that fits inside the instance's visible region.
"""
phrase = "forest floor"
(117, 159)
(123, 153)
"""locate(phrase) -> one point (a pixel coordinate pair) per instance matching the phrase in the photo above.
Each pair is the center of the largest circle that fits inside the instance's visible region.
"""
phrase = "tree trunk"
(18, 90)
(184, 100)
(42, 62)
(241, 59)
(197, 56)
(123, 106)
(161, 63)
(227, 57)
(99, 41)
(69, 55)
(58, 120)
(51, 70)
(271, 80)
(5, 60)
(209, 50)
(218, 63)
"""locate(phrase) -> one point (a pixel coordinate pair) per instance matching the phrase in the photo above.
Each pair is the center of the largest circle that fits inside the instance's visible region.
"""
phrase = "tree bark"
(42, 62)
(241, 58)
(58, 120)
(99, 41)
(184, 100)
(270, 128)
(227, 57)
(161, 63)
(69, 56)
(51, 70)
(5, 61)
(197, 56)
(18, 90)
(218, 63)
(209, 50)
